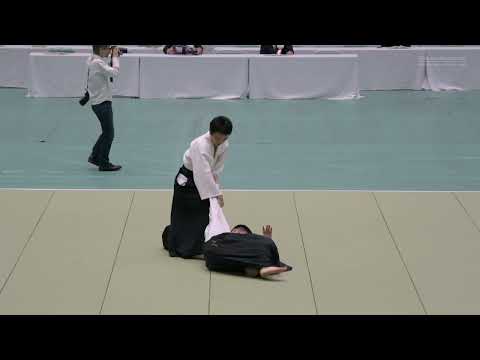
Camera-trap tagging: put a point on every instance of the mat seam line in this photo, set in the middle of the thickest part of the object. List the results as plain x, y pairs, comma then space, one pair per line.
305, 254
27, 242
400, 254
466, 211
116, 253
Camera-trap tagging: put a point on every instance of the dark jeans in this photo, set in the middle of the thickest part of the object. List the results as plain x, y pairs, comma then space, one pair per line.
101, 149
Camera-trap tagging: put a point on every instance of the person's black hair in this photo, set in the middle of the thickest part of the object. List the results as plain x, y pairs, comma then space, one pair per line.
245, 227
222, 125
96, 48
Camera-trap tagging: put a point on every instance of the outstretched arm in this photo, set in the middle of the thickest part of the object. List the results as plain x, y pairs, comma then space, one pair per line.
267, 231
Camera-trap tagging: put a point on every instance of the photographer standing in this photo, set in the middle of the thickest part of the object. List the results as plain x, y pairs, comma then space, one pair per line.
99, 92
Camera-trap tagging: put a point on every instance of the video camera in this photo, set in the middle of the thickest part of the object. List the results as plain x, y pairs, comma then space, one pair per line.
84, 99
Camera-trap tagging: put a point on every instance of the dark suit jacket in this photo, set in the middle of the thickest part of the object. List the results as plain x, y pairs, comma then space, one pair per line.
272, 49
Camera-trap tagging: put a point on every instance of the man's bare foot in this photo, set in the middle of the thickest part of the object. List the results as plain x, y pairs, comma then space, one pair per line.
272, 270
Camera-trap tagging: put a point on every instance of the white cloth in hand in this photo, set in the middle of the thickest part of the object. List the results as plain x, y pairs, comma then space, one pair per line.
218, 223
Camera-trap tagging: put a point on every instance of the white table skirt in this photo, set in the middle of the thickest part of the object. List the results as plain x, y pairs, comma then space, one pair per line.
55, 75
222, 77
378, 69
14, 65
391, 69
299, 50
304, 77
452, 68
132, 49
386, 68
206, 76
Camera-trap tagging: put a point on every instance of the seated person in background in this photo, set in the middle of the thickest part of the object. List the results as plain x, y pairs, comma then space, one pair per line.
183, 49
241, 251
274, 49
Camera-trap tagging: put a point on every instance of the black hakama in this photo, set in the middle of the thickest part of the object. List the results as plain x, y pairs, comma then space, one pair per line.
185, 236
232, 252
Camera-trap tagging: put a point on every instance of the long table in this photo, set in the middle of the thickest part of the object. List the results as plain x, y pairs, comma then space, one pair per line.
132, 49
452, 68
329, 75
14, 65
378, 69
386, 68
304, 77
55, 75
419, 67
300, 50
14, 59
206, 76
414, 68
154, 76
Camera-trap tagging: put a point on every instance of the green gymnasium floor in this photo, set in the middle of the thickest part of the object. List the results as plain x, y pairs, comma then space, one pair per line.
389, 140
412, 250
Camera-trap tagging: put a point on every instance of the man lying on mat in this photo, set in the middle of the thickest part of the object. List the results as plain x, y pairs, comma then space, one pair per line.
238, 250
241, 251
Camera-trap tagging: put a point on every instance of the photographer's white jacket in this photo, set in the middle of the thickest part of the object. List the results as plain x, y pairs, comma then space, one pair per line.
99, 84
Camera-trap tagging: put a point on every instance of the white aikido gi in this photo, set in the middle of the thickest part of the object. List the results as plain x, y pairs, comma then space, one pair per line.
206, 167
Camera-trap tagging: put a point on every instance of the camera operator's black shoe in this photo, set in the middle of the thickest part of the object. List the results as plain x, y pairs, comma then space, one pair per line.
93, 161
109, 167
